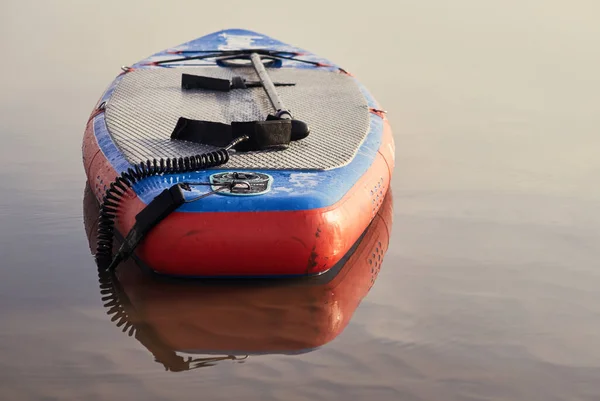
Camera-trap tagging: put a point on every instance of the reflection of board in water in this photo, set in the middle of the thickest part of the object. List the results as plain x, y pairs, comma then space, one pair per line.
228, 320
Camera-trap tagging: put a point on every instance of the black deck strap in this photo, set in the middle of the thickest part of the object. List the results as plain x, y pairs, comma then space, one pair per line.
204, 132
262, 135
189, 81
160, 207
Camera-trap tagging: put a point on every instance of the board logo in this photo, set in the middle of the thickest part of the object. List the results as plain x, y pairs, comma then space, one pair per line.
241, 183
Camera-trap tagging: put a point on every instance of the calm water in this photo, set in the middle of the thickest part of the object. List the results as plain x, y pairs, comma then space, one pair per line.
489, 289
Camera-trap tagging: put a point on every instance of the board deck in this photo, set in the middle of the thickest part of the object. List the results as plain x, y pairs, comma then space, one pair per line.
147, 103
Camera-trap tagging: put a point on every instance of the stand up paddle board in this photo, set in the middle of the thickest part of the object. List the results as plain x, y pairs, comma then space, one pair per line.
236, 155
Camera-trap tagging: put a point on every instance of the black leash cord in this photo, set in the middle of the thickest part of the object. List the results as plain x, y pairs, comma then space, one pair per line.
223, 187
149, 168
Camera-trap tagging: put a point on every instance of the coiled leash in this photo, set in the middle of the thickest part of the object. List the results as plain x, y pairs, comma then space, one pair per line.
274, 133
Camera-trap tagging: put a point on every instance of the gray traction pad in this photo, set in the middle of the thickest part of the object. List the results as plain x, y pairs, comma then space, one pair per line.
146, 103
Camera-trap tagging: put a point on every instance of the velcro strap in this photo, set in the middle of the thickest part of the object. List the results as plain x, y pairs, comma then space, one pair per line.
189, 81
205, 132
271, 134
